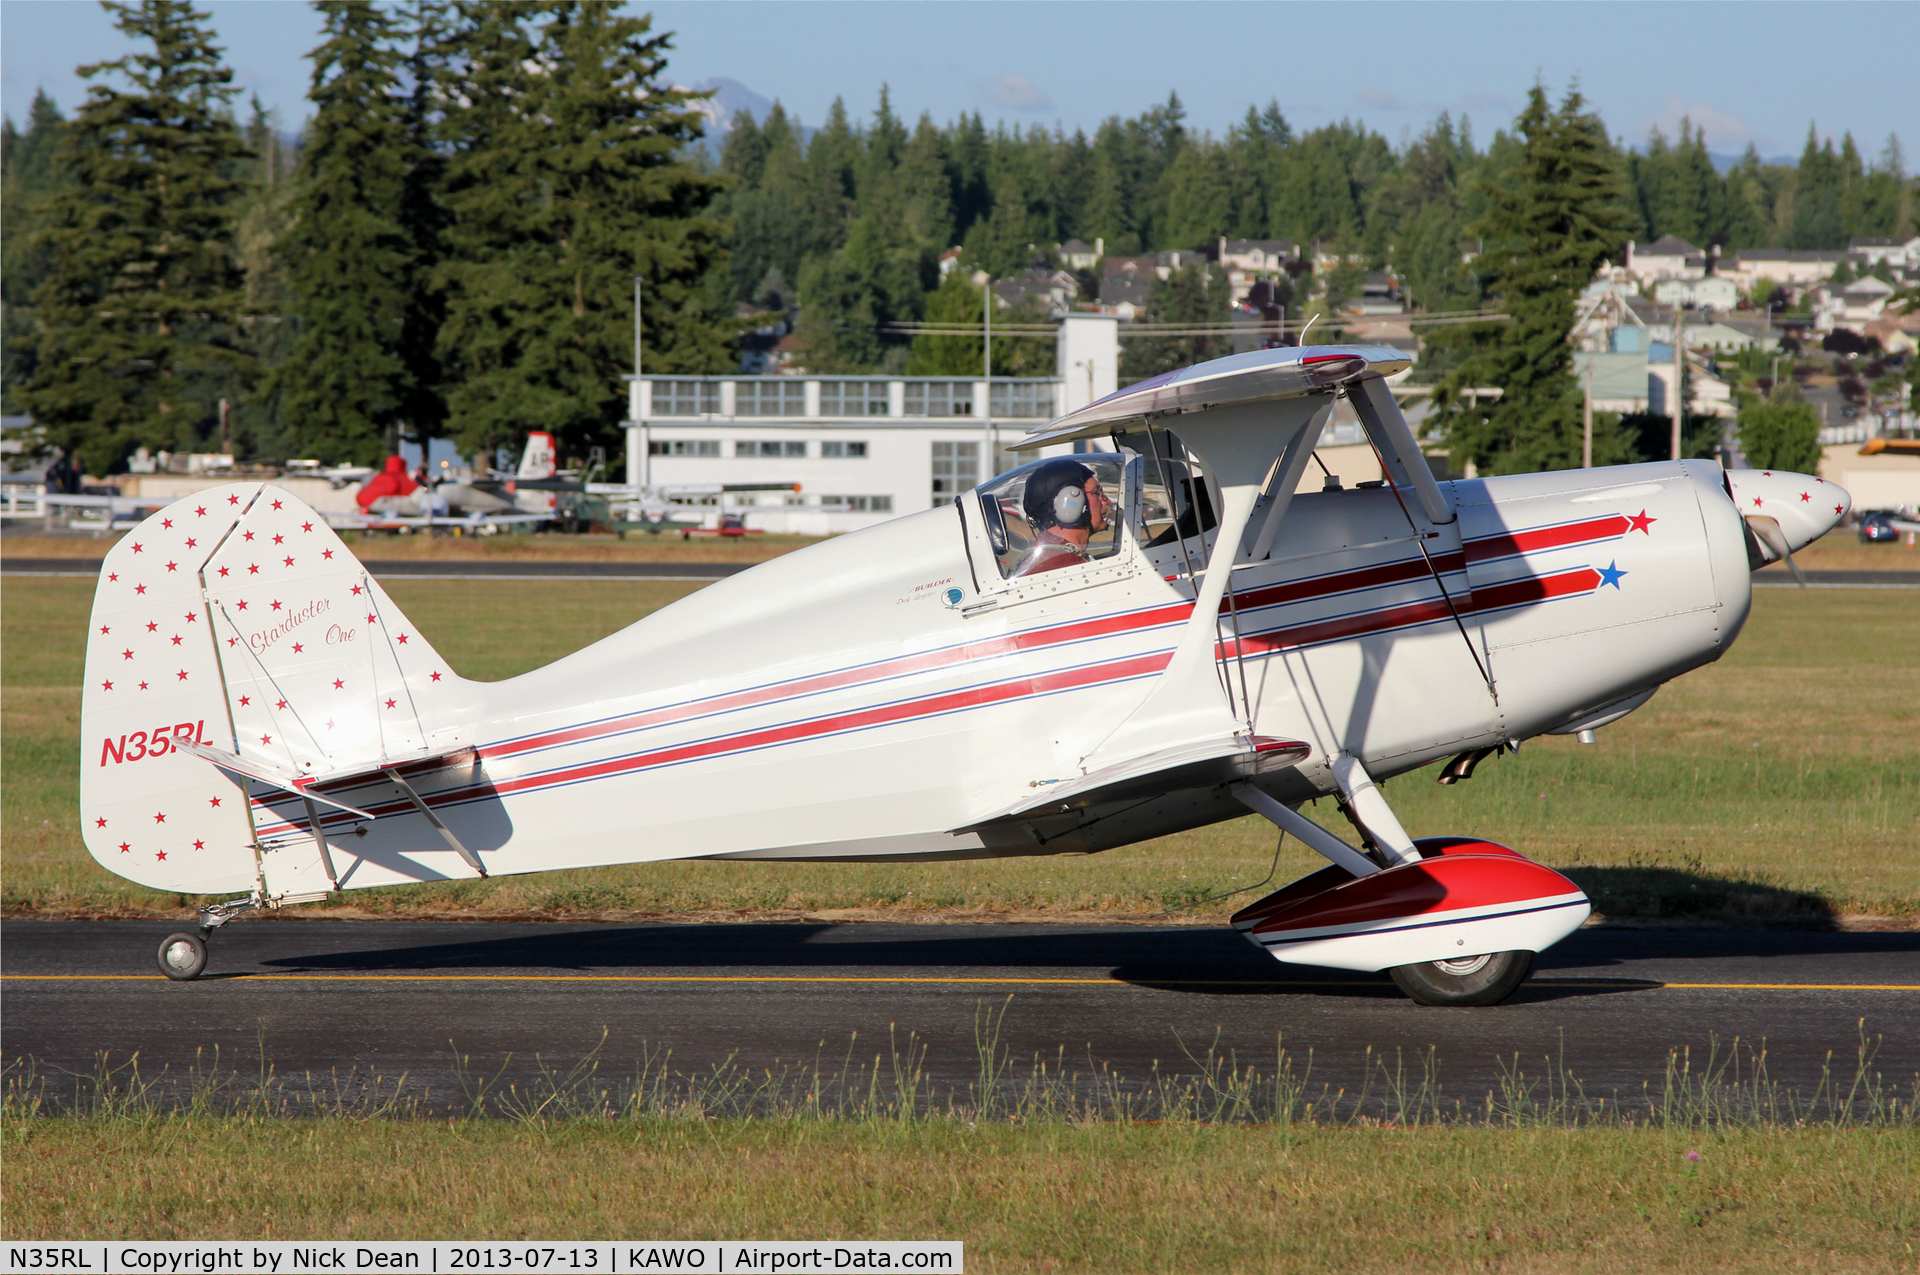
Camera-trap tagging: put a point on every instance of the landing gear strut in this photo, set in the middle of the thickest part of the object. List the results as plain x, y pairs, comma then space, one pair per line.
183, 956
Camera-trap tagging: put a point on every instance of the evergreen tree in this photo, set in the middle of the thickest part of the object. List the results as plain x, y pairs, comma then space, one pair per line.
1546, 233
351, 265
30, 175
569, 177
136, 328
1818, 185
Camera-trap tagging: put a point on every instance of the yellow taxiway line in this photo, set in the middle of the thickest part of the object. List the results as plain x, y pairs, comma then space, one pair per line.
1623, 984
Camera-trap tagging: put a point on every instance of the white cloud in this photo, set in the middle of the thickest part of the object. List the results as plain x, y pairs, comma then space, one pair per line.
1371, 96
1015, 93
1724, 132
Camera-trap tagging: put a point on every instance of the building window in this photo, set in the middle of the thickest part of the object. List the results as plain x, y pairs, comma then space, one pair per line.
956, 468
686, 398
939, 398
853, 398
859, 504
1023, 398
683, 447
836, 449
770, 396
767, 449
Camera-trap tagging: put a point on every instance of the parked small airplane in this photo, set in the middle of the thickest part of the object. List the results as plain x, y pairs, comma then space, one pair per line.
1088, 651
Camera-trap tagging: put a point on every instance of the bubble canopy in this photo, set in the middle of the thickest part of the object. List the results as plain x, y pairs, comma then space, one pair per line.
1253, 377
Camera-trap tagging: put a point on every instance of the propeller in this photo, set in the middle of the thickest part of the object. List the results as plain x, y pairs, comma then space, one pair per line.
1767, 531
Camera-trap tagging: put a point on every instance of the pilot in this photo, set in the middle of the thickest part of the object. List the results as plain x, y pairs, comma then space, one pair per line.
1065, 505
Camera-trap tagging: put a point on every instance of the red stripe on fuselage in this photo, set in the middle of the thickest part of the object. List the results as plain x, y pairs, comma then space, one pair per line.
1508, 543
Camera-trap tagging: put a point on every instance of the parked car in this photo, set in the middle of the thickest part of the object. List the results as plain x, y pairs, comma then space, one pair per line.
1877, 526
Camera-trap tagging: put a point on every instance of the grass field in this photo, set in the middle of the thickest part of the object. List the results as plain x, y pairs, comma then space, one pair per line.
1778, 785
1169, 1197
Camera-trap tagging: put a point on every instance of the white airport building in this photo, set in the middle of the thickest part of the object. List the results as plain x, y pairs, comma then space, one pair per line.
861, 448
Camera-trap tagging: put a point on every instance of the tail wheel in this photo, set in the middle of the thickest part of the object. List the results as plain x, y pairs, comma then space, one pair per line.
183, 956
1468, 980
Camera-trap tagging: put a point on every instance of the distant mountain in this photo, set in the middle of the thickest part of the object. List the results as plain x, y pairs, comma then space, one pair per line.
729, 98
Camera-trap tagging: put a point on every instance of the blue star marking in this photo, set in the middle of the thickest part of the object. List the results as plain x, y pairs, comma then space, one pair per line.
1610, 574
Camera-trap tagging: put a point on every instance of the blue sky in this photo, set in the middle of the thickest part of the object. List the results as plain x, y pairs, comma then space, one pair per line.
1756, 72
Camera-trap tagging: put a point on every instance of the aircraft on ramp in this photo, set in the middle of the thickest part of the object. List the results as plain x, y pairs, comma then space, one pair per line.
1087, 651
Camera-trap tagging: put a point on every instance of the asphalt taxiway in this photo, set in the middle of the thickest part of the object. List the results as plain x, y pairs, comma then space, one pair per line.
406, 997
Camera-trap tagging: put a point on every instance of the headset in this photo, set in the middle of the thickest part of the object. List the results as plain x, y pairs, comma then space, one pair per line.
1069, 506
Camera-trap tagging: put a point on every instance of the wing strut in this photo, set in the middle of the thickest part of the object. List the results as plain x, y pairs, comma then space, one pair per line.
320, 840
1306, 830
472, 859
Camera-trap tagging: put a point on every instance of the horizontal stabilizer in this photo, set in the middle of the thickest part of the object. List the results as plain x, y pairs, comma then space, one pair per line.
266, 773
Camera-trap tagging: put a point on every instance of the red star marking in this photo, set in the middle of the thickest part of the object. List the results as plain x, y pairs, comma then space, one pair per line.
245, 700
124, 847
288, 561
143, 686
167, 523
276, 504
266, 739
1820, 480
1806, 497
403, 639
214, 802
280, 704
389, 703
372, 619
435, 676
233, 641
326, 553
356, 590
99, 823
329, 723
159, 818
253, 568
182, 675
106, 686
275, 606
1839, 508
191, 617
200, 511
136, 548
1757, 502
139, 588
224, 570
191, 542
278, 539
242, 604
127, 654
246, 535
176, 639
160, 854
1766, 473
337, 683
233, 500
113, 575
151, 626
105, 629
199, 845
173, 566
306, 526
297, 648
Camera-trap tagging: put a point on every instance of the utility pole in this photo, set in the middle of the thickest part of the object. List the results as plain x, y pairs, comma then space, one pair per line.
986, 348
1586, 421
1679, 404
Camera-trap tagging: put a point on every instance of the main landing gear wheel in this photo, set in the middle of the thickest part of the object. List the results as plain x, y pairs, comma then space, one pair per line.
1465, 980
183, 956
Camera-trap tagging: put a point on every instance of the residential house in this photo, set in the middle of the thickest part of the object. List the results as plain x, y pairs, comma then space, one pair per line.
949, 262
1247, 261
1710, 292
1054, 290
1668, 257
1075, 255
1898, 253
1789, 266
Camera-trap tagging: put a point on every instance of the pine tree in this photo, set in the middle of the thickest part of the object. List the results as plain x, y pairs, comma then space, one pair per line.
1782, 432
136, 326
350, 263
1818, 184
1545, 233
569, 177
30, 175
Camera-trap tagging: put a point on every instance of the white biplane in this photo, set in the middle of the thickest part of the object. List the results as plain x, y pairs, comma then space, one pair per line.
1088, 651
